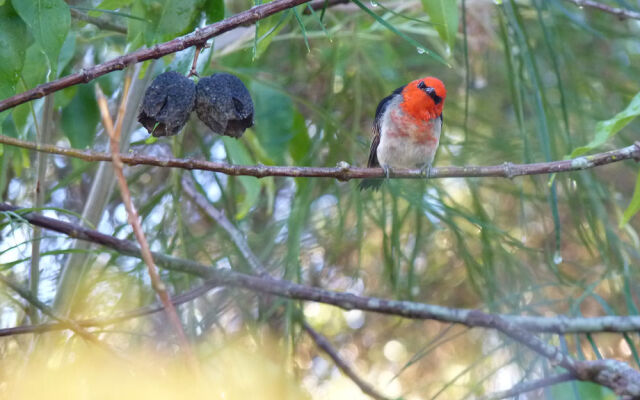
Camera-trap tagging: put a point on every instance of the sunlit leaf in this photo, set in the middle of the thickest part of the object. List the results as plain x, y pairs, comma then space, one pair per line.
608, 128
273, 119
634, 205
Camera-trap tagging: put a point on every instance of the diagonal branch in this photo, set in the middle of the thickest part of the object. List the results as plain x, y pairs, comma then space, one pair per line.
621, 13
530, 386
196, 38
408, 309
345, 172
616, 375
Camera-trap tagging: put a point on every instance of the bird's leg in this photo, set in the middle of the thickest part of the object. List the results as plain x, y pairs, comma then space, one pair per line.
426, 170
386, 170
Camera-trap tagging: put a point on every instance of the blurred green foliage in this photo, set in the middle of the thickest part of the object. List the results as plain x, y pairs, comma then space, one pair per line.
527, 81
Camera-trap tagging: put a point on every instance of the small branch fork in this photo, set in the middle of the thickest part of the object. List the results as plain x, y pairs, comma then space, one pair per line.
134, 219
621, 13
345, 172
160, 50
616, 375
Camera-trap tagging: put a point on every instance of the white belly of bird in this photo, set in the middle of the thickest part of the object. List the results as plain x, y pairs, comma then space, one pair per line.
406, 144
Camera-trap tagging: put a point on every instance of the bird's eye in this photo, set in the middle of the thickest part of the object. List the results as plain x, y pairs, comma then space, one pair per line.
431, 92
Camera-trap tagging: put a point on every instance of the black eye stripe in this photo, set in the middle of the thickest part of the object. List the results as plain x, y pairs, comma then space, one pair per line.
430, 91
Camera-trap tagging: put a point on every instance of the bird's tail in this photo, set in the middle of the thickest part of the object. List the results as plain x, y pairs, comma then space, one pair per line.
371, 183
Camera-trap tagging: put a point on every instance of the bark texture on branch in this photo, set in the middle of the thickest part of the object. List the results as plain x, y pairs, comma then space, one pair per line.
345, 172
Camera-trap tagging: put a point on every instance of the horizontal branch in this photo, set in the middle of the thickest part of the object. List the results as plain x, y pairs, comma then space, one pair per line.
621, 13
344, 172
408, 309
196, 38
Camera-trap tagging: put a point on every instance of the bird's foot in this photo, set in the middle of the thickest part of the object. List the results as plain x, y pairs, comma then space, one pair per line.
386, 170
426, 171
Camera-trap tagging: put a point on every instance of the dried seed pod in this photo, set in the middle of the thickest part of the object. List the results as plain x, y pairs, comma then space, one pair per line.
224, 104
167, 104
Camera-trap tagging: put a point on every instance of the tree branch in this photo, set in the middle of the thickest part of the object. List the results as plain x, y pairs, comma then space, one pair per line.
618, 12
345, 172
616, 375
196, 38
408, 309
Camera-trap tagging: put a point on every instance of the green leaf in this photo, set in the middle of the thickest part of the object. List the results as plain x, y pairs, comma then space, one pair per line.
238, 154
13, 46
634, 206
109, 5
80, 118
444, 17
49, 22
67, 51
608, 128
33, 73
273, 119
163, 19
214, 10
266, 30
300, 144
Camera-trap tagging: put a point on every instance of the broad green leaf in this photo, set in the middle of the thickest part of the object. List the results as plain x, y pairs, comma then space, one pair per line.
238, 154
273, 120
67, 51
608, 128
163, 19
214, 10
444, 17
13, 46
34, 72
634, 206
109, 5
80, 118
49, 22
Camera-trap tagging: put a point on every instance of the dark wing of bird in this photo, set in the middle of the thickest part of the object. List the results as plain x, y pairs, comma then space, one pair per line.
377, 125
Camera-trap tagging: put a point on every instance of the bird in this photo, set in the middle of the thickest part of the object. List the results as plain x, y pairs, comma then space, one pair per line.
406, 129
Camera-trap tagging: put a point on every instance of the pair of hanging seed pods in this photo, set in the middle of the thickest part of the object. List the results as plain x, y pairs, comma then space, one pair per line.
221, 101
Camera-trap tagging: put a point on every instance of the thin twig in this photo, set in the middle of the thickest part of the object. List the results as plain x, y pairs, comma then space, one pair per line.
621, 13
101, 23
65, 322
196, 38
326, 346
125, 316
530, 386
194, 65
345, 172
408, 309
238, 239
134, 219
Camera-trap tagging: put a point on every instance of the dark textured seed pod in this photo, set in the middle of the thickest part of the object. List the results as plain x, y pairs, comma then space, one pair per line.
167, 104
224, 104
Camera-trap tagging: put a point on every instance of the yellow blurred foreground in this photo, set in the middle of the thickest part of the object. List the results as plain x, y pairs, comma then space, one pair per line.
238, 371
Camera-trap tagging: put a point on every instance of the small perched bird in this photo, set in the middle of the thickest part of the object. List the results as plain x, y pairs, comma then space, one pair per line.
406, 129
